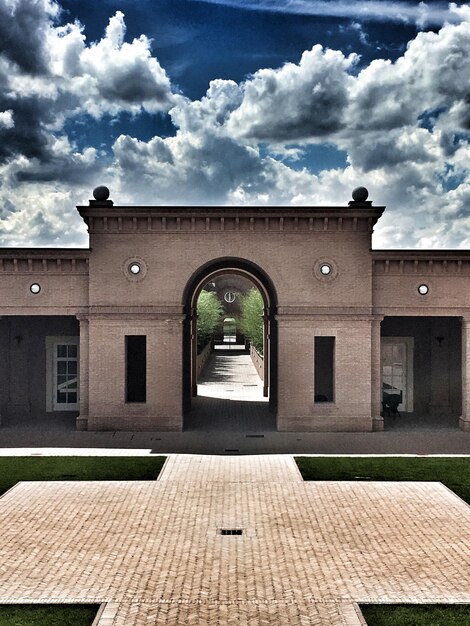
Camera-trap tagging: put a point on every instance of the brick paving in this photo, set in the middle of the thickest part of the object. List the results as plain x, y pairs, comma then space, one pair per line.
243, 469
309, 551
245, 614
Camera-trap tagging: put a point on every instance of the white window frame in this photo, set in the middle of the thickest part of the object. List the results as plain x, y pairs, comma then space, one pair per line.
51, 373
407, 407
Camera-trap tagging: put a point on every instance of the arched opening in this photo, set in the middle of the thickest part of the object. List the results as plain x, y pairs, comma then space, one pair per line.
229, 337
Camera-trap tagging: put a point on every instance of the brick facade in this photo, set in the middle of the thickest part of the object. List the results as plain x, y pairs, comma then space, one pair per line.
282, 249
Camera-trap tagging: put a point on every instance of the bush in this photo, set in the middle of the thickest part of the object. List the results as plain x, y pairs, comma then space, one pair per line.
251, 319
209, 314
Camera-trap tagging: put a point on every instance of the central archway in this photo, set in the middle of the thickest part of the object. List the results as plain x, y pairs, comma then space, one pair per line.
259, 278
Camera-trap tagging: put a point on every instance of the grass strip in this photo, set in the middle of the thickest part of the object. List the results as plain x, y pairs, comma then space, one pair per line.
454, 472
416, 614
18, 468
47, 614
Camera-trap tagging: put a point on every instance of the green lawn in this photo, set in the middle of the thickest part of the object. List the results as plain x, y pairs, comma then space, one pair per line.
14, 468
453, 472
416, 615
47, 615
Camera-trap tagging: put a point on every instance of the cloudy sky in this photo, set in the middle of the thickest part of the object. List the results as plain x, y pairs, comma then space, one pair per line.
260, 102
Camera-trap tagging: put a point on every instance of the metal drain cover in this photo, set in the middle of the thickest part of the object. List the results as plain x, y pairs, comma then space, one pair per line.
230, 531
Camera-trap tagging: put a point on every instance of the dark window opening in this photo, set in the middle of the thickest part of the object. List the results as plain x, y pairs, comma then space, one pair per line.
324, 368
136, 368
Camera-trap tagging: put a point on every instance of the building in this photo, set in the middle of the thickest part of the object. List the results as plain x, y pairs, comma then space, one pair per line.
107, 334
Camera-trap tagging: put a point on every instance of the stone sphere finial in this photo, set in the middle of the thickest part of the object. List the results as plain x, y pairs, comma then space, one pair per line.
101, 193
360, 194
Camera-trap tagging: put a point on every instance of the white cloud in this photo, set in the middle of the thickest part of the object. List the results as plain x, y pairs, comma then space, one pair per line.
112, 75
218, 155
66, 77
6, 119
297, 101
188, 168
58, 76
374, 116
41, 215
321, 98
433, 72
461, 11
401, 147
212, 111
421, 13
23, 26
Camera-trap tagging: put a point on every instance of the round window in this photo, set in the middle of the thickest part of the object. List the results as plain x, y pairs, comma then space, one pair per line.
325, 270
229, 296
423, 289
35, 288
134, 268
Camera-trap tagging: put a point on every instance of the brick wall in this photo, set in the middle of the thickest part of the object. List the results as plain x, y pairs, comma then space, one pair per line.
202, 358
288, 245
258, 361
108, 409
351, 409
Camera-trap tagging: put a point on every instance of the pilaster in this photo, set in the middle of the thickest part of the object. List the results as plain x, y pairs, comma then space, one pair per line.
376, 374
464, 421
351, 407
82, 419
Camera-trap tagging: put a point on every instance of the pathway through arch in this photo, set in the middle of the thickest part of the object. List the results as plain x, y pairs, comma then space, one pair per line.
230, 395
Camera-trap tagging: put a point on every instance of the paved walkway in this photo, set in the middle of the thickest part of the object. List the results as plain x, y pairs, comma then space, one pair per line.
47, 441
152, 552
51, 441
230, 396
231, 375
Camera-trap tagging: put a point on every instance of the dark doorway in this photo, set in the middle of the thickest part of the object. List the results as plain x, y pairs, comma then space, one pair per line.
421, 367
39, 371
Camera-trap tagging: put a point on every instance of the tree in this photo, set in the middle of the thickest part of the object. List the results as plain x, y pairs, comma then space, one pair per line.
209, 314
251, 319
